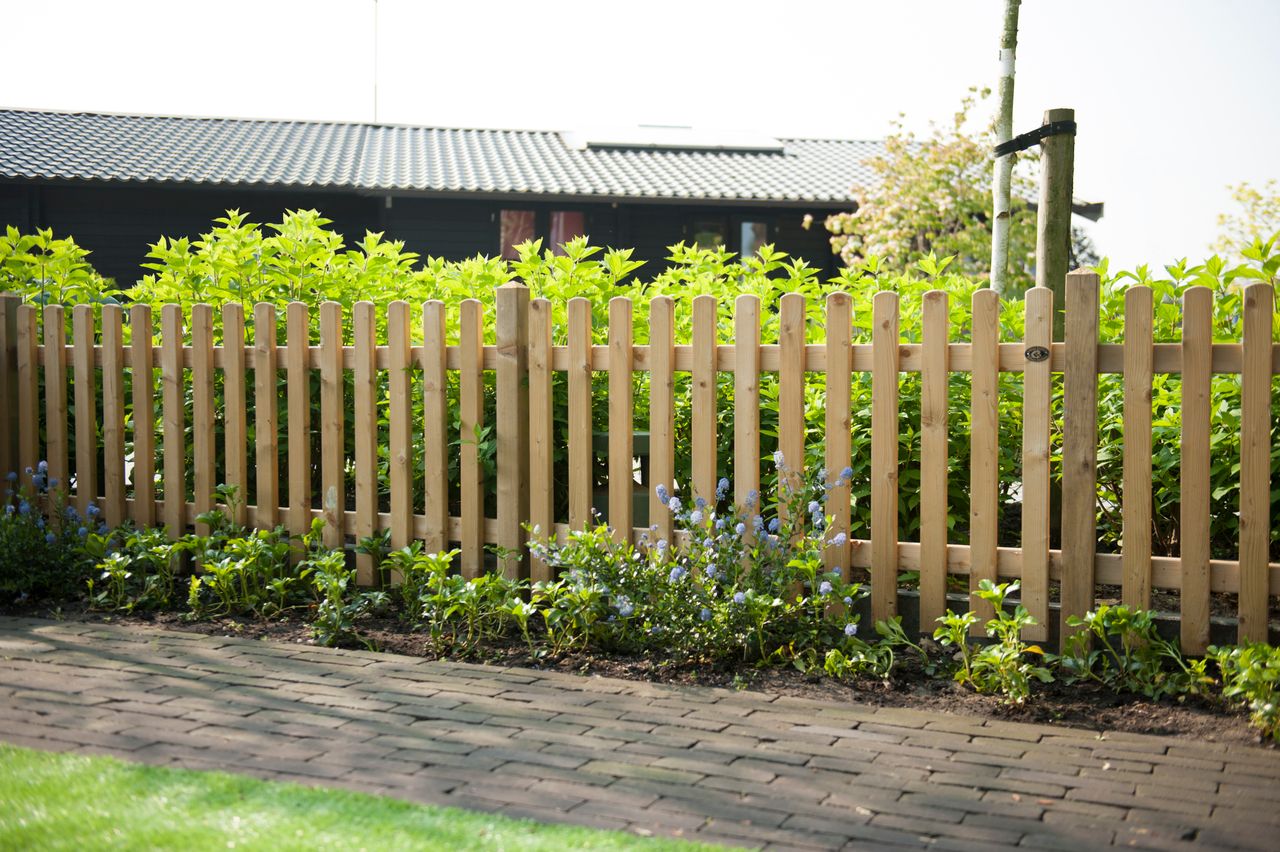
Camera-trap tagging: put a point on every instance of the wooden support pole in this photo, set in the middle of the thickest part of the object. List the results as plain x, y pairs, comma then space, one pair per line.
513, 426
1053, 224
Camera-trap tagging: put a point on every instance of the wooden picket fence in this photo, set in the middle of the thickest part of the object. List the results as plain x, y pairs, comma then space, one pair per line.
524, 360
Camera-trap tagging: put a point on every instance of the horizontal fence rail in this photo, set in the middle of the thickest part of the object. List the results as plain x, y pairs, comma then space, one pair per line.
328, 423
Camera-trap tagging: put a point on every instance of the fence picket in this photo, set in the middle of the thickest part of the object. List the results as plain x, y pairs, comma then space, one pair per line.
791, 382
365, 432
1079, 447
984, 458
1036, 400
541, 455
298, 399
266, 416
1255, 462
174, 495
204, 456
471, 420
1197, 338
746, 403
1136, 494
704, 445
662, 412
581, 463
86, 407
621, 445
399, 437
512, 335
9, 303
934, 384
884, 456
332, 416
234, 417
113, 414
28, 366
839, 425
435, 429
144, 425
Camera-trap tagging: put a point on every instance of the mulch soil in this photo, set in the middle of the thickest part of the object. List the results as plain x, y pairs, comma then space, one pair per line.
1086, 706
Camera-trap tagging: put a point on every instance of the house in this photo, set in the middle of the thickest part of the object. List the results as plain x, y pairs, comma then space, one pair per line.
118, 182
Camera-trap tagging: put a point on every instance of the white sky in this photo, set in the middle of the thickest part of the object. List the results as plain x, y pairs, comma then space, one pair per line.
1175, 98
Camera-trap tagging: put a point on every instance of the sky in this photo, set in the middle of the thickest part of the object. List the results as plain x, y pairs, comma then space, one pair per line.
1175, 99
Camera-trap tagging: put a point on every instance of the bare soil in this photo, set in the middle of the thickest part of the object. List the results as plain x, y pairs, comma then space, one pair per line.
1084, 706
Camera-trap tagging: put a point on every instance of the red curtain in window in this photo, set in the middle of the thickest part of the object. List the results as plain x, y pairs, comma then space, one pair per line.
516, 227
565, 225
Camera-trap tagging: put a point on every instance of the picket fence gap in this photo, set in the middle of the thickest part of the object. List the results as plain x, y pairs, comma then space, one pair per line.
524, 360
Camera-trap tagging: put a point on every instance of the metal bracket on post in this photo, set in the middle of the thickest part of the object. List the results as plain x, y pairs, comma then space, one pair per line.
1035, 137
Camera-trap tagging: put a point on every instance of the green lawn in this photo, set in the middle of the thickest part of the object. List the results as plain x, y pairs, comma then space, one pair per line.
62, 801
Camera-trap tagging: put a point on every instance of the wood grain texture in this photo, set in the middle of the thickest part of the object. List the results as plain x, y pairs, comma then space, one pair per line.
365, 433
28, 367
471, 422
143, 507
9, 303
113, 455
839, 426
1079, 448
1036, 400
298, 399
791, 383
174, 496
333, 457
512, 324
703, 439
984, 455
884, 456
435, 427
1255, 462
1136, 492
86, 407
662, 411
541, 450
746, 404
203, 452
400, 434
934, 387
266, 414
1197, 336
235, 418
621, 410
581, 458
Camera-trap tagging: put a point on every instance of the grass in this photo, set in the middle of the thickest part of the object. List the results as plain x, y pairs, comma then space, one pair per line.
65, 801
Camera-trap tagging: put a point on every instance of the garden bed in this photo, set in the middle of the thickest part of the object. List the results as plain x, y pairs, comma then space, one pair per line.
1085, 706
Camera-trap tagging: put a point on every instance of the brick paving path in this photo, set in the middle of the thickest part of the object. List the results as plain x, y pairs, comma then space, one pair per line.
739, 768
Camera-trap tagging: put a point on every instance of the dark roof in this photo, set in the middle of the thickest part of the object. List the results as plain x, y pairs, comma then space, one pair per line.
37, 145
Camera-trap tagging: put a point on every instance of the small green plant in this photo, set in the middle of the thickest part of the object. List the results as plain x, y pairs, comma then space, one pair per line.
43, 539
1251, 676
1000, 667
340, 604
1120, 649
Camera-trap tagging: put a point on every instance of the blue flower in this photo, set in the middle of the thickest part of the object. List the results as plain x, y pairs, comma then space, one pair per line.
711, 572
851, 629
28, 471
624, 606
24, 508
700, 502
82, 532
662, 545
8, 510
846, 474
722, 487
71, 513
705, 615
825, 588
777, 460
814, 507
103, 529
12, 476
838, 540
739, 597
92, 511
822, 474
720, 524
752, 497
50, 538
758, 523
773, 525
695, 517
848, 601
53, 482
677, 574
664, 496
43, 467
675, 504
740, 529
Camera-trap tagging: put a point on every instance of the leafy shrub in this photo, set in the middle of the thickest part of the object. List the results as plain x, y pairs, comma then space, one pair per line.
1002, 666
340, 602
1120, 649
1251, 676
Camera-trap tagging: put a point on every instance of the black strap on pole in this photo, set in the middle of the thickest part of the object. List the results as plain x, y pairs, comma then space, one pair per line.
1034, 137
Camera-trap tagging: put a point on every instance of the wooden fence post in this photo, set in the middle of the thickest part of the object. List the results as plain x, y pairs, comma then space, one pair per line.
1079, 448
1255, 462
513, 426
884, 456
9, 461
1195, 474
1053, 222
541, 424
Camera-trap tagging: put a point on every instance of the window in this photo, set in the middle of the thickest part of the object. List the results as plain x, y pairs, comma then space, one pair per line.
753, 235
566, 225
517, 227
709, 233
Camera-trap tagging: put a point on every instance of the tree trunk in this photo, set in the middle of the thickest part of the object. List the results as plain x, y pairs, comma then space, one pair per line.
1000, 185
